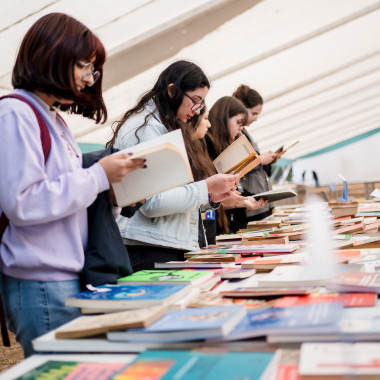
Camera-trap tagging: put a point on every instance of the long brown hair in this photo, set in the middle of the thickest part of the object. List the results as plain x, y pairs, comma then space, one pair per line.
46, 59
185, 76
199, 158
220, 113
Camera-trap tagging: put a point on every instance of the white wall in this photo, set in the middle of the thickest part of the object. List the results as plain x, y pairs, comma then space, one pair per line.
357, 162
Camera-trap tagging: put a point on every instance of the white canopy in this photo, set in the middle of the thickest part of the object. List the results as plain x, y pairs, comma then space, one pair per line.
316, 63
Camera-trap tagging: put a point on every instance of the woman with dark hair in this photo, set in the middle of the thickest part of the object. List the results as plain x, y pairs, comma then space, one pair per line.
166, 226
44, 192
256, 181
228, 116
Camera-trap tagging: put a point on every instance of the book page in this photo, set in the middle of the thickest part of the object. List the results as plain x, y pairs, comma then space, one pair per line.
167, 167
235, 155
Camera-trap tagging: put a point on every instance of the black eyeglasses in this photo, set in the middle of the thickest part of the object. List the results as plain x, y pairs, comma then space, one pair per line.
197, 105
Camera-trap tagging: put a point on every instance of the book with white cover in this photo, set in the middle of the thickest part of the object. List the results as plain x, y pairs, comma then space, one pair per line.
264, 248
293, 275
167, 167
339, 361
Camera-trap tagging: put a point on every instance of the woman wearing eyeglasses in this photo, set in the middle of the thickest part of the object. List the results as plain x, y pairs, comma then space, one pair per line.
44, 192
166, 226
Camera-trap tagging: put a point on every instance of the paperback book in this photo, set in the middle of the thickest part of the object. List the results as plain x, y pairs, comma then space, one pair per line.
186, 325
339, 361
118, 297
99, 324
197, 365
298, 318
163, 276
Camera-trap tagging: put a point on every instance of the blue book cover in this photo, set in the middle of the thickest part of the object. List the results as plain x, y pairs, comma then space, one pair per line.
296, 318
192, 365
187, 324
124, 296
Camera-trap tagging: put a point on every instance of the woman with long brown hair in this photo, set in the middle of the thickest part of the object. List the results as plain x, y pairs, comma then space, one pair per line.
166, 226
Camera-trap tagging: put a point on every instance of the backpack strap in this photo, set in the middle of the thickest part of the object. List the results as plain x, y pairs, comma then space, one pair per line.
4, 221
45, 141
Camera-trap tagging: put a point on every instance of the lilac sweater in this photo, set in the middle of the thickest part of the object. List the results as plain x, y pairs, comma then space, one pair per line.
45, 203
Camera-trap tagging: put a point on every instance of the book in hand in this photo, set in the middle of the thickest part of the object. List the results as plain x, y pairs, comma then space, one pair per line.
280, 151
339, 360
185, 325
119, 297
275, 195
197, 365
239, 157
99, 324
167, 167
162, 276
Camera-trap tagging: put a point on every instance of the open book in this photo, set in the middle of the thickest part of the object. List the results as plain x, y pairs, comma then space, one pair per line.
167, 167
275, 195
280, 151
240, 157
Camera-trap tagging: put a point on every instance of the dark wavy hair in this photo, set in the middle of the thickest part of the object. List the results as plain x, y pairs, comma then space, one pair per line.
249, 97
46, 59
185, 76
222, 110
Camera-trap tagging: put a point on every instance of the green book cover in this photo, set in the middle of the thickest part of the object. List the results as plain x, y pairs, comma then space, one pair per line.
159, 276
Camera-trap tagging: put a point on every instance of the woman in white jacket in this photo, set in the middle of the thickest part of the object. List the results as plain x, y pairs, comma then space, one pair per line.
166, 226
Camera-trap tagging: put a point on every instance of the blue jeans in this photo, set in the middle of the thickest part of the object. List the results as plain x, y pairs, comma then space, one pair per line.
33, 308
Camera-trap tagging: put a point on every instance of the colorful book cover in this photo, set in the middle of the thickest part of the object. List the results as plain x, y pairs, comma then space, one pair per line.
127, 296
58, 370
187, 324
297, 318
157, 276
347, 299
193, 365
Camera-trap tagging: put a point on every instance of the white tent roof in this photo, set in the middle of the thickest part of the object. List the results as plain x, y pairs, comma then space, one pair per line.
316, 63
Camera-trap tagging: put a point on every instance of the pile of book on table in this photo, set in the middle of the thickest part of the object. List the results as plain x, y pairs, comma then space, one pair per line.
259, 285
